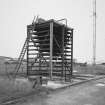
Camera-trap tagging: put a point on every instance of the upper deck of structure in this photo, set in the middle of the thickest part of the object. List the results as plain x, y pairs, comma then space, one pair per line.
46, 24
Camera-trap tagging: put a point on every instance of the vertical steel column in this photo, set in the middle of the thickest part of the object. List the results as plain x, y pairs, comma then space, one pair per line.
51, 49
94, 32
65, 56
63, 50
71, 52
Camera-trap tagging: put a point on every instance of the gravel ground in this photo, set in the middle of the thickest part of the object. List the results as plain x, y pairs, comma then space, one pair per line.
91, 93
17, 88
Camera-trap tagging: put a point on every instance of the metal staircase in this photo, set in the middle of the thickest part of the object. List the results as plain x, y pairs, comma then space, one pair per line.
23, 51
21, 58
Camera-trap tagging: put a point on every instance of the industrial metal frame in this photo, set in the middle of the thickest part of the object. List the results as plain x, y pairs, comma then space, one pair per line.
50, 50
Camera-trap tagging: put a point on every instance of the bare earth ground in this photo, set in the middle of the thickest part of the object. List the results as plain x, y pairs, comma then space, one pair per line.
92, 93
87, 94
17, 88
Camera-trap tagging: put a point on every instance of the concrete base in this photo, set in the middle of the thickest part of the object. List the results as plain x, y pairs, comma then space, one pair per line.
54, 85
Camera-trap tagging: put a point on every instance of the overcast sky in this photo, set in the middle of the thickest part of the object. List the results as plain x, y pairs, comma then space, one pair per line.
16, 14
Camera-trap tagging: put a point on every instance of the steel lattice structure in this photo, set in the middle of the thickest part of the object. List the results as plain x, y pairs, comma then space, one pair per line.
50, 49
